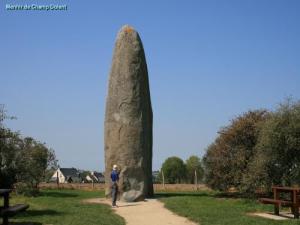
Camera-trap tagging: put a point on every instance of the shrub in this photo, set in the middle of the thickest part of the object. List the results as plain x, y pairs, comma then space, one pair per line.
226, 160
277, 158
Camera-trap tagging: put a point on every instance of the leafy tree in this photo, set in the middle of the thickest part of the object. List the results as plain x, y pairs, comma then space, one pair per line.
9, 152
4, 116
193, 165
9, 158
226, 160
174, 170
37, 158
277, 159
22, 160
52, 164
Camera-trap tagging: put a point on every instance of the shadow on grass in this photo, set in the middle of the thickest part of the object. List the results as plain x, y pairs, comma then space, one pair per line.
235, 195
43, 212
238, 195
183, 194
57, 194
24, 223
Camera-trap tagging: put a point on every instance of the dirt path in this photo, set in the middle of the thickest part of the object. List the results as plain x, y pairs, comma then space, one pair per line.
150, 212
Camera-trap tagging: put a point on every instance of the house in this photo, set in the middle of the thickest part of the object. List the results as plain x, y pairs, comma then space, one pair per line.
95, 177
66, 175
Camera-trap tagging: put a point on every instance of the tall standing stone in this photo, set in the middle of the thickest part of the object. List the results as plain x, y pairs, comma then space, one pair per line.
128, 119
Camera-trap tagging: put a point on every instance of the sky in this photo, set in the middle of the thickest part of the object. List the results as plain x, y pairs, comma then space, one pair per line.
208, 61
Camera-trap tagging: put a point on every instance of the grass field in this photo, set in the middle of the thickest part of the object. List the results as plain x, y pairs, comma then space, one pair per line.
208, 208
65, 207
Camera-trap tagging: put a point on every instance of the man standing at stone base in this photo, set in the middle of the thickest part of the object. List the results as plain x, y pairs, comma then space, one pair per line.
114, 187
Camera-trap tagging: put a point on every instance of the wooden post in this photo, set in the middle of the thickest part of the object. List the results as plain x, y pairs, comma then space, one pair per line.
57, 179
163, 177
276, 209
276, 197
295, 207
6, 200
92, 184
296, 212
196, 180
6, 205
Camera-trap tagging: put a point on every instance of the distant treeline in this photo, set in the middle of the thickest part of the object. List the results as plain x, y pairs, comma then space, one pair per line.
175, 171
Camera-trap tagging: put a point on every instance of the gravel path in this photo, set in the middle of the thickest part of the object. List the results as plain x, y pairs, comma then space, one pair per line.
149, 212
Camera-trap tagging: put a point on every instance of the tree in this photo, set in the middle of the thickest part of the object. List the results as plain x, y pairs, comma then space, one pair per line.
174, 170
193, 165
277, 159
22, 160
9, 152
226, 160
52, 164
37, 158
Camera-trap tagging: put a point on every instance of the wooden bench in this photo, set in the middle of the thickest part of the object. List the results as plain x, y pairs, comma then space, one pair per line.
277, 203
294, 201
6, 210
5, 213
11, 211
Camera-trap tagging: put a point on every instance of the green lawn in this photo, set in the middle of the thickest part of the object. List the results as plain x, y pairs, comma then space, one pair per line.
65, 207
212, 209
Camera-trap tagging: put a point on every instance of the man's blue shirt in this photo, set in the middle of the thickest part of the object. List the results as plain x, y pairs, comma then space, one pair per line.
114, 176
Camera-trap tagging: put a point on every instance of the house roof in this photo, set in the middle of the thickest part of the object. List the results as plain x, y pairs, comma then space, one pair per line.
98, 175
69, 172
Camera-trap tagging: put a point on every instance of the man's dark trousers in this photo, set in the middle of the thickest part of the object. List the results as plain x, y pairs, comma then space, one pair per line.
114, 193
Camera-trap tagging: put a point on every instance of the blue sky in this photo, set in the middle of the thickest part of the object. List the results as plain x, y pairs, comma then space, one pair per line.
208, 61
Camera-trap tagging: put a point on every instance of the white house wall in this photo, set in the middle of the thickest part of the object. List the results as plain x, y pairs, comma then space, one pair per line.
61, 177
